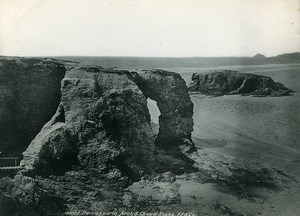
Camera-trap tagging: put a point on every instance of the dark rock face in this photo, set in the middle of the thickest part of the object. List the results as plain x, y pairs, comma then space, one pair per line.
29, 96
232, 82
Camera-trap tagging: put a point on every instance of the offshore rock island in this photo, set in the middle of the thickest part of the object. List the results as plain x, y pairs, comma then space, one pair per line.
227, 82
87, 144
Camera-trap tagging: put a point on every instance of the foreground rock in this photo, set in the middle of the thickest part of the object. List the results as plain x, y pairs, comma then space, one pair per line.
222, 186
228, 82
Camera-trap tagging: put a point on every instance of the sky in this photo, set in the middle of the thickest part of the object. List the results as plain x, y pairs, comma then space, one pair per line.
149, 28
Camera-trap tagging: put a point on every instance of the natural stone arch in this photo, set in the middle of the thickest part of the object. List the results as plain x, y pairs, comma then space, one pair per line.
169, 90
102, 121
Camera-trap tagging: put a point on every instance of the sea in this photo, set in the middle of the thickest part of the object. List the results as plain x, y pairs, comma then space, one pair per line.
263, 130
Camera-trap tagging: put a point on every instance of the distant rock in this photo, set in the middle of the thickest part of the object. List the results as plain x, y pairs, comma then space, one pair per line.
259, 56
227, 82
286, 58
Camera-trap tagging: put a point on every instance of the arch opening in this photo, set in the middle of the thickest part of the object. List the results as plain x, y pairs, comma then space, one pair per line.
154, 115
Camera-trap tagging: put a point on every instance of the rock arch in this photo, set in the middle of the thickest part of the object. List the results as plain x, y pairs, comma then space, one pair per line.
169, 90
102, 120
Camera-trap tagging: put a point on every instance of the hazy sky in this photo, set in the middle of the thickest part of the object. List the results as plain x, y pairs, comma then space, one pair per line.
149, 27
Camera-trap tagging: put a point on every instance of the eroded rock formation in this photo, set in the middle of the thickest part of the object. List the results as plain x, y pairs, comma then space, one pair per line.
228, 82
102, 121
173, 142
101, 129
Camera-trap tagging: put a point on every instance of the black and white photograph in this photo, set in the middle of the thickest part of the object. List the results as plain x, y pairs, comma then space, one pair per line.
149, 107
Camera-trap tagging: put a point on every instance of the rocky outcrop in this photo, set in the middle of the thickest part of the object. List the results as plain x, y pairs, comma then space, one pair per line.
101, 130
228, 82
102, 121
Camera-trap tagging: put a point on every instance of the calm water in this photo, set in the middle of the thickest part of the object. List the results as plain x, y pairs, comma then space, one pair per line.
263, 129
271, 120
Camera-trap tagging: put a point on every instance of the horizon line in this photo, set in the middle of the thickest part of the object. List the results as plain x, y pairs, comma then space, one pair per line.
129, 56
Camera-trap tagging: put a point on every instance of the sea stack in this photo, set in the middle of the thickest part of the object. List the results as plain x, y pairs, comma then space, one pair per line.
227, 82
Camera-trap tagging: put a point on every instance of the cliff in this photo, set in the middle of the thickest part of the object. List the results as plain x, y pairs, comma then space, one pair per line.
29, 96
228, 82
